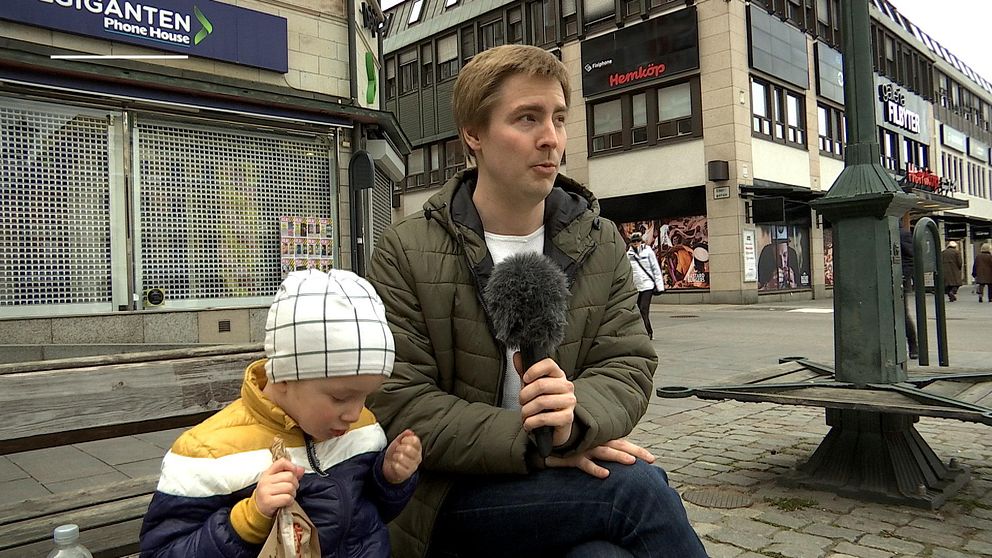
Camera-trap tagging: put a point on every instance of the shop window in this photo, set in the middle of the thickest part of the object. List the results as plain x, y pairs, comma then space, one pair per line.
391, 78
427, 65
490, 35
454, 159
645, 117
916, 153
515, 26
434, 162
607, 126
675, 111
778, 113
569, 20
542, 19
830, 128
415, 176
594, 11
415, 10
447, 57
408, 71
468, 44
889, 144
639, 130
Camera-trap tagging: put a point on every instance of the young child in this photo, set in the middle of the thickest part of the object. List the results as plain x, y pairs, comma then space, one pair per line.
328, 346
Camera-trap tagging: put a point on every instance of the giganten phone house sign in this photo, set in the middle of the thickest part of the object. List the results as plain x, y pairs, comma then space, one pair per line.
202, 28
639, 53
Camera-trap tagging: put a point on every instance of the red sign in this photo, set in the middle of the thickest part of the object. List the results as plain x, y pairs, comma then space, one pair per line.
642, 72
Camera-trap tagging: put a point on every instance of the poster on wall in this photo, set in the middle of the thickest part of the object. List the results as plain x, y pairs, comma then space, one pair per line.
682, 247
783, 257
750, 256
305, 243
828, 257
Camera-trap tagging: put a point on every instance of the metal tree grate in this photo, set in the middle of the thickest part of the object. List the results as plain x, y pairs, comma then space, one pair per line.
210, 203
717, 498
55, 193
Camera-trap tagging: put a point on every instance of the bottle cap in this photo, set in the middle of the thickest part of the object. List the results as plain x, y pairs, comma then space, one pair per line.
66, 533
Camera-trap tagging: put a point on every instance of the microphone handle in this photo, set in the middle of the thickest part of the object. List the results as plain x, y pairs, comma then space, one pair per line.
542, 434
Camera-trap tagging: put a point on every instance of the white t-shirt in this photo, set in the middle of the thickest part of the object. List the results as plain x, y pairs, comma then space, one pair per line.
502, 246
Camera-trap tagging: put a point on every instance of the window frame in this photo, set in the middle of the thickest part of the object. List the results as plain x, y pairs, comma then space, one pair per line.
776, 118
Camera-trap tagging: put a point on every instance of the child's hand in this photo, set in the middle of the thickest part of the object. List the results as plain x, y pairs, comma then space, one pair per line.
402, 458
277, 486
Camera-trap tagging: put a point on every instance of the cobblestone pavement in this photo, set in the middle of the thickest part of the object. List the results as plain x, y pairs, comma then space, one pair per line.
739, 449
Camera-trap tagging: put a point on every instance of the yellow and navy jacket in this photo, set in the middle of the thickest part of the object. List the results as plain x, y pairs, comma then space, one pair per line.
202, 506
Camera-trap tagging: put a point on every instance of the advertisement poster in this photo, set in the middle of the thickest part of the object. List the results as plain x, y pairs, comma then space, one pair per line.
828, 257
682, 247
305, 243
783, 257
750, 256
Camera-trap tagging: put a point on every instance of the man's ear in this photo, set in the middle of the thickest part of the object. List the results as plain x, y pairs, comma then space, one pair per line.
471, 139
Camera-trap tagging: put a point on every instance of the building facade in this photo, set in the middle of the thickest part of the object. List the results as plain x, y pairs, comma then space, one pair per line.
710, 125
166, 163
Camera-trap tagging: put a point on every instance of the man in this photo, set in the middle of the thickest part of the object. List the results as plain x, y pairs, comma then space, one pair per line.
950, 261
908, 257
647, 277
485, 491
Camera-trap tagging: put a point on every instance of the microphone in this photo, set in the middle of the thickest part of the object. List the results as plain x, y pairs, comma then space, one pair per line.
527, 297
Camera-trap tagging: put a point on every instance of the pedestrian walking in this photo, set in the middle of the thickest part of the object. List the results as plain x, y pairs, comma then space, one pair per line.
908, 257
981, 270
950, 261
647, 277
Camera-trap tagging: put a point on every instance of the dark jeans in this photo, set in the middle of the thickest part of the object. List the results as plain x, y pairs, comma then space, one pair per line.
644, 305
566, 512
907, 289
984, 287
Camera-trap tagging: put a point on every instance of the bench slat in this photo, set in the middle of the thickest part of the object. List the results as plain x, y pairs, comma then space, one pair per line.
110, 541
68, 501
41, 528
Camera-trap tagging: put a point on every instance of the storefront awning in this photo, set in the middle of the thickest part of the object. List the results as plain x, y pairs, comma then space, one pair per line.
927, 201
29, 65
788, 191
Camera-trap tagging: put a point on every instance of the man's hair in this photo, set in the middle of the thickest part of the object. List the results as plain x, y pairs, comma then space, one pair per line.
477, 88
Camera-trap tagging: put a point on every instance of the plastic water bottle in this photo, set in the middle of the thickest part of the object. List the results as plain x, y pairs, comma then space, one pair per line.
67, 543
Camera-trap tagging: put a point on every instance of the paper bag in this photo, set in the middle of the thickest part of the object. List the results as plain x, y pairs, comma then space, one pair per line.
293, 535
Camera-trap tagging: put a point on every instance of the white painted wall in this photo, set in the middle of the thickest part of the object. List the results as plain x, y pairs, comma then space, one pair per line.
776, 162
648, 170
830, 169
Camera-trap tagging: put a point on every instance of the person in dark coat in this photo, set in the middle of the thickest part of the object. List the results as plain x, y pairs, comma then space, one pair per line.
982, 271
906, 247
950, 261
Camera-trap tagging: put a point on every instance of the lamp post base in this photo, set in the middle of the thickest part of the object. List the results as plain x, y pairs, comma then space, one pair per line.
879, 457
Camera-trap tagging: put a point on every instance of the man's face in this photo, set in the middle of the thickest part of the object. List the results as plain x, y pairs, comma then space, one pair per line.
325, 408
519, 152
783, 255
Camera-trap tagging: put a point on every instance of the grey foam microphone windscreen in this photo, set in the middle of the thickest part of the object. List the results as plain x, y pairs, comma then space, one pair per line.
527, 296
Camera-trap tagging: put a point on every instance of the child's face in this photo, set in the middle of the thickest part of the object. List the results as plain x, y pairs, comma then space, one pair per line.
324, 408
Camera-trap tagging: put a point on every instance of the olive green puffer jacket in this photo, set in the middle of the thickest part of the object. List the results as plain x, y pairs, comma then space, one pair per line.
430, 269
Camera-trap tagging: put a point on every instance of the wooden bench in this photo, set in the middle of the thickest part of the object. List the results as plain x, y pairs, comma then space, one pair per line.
54, 403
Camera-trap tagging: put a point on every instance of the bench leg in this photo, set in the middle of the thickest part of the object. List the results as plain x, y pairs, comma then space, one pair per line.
882, 458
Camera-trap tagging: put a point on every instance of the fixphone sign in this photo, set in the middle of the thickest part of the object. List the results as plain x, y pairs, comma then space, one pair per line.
196, 27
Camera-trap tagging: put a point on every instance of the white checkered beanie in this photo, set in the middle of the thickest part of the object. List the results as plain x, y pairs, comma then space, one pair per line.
325, 325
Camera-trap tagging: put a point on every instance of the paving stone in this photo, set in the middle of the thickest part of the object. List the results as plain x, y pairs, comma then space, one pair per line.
718, 550
110, 477
979, 547
163, 439
783, 519
929, 536
864, 524
833, 532
861, 551
792, 551
59, 464
21, 489
891, 544
144, 468
736, 479
10, 471
938, 552
743, 539
118, 451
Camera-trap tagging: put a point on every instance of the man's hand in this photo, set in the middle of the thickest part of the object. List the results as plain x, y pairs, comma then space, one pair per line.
402, 458
617, 451
547, 398
277, 486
